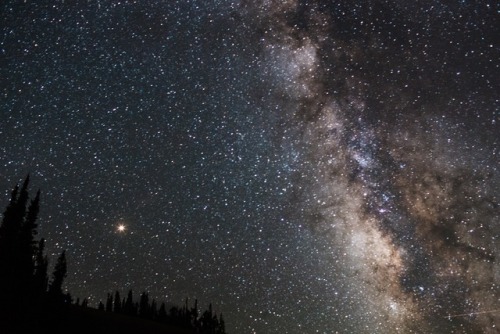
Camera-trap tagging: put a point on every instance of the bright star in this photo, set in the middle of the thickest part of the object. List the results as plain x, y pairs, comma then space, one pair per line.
121, 228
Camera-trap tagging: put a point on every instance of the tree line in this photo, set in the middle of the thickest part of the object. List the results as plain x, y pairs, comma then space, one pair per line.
25, 288
206, 322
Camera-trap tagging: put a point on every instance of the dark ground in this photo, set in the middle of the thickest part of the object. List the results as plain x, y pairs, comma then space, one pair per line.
78, 320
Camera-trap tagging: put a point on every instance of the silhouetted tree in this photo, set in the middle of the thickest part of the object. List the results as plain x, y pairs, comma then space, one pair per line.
185, 317
40, 279
136, 308
27, 247
210, 324
101, 306
153, 310
128, 307
13, 217
118, 303
109, 302
186, 314
176, 317
58, 276
85, 303
16, 263
162, 313
221, 328
195, 314
67, 299
205, 322
144, 309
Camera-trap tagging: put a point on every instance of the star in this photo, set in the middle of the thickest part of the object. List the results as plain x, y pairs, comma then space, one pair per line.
121, 228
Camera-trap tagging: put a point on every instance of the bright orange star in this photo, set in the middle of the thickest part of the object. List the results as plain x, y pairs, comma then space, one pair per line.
121, 228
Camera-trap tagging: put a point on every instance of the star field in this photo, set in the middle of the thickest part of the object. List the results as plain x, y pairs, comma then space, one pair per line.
306, 166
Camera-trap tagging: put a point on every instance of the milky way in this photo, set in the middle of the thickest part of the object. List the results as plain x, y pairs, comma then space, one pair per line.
306, 166
412, 211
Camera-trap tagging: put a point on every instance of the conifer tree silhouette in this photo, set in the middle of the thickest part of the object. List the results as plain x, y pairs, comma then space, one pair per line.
162, 313
58, 276
144, 305
128, 307
185, 317
153, 310
40, 279
27, 245
18, 249
221, 329
207, 321
195, 314
109, 303
117, 303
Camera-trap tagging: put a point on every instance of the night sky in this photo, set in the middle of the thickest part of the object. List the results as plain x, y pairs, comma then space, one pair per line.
306, 166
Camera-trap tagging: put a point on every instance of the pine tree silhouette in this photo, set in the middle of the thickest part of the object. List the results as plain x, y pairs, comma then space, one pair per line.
207, 321
109, 303
27, 244
153, 310
58, 276
144, 305
128, 307
162, 313
221, 328
40, 279
117, 303
195, 314
184, 317
24, 290
18, 249
9, 234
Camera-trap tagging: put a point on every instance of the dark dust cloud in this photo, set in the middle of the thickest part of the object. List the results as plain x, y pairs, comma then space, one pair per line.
306, 166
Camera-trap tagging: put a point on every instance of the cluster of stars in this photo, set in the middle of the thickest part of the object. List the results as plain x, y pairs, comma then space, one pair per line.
306, 166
